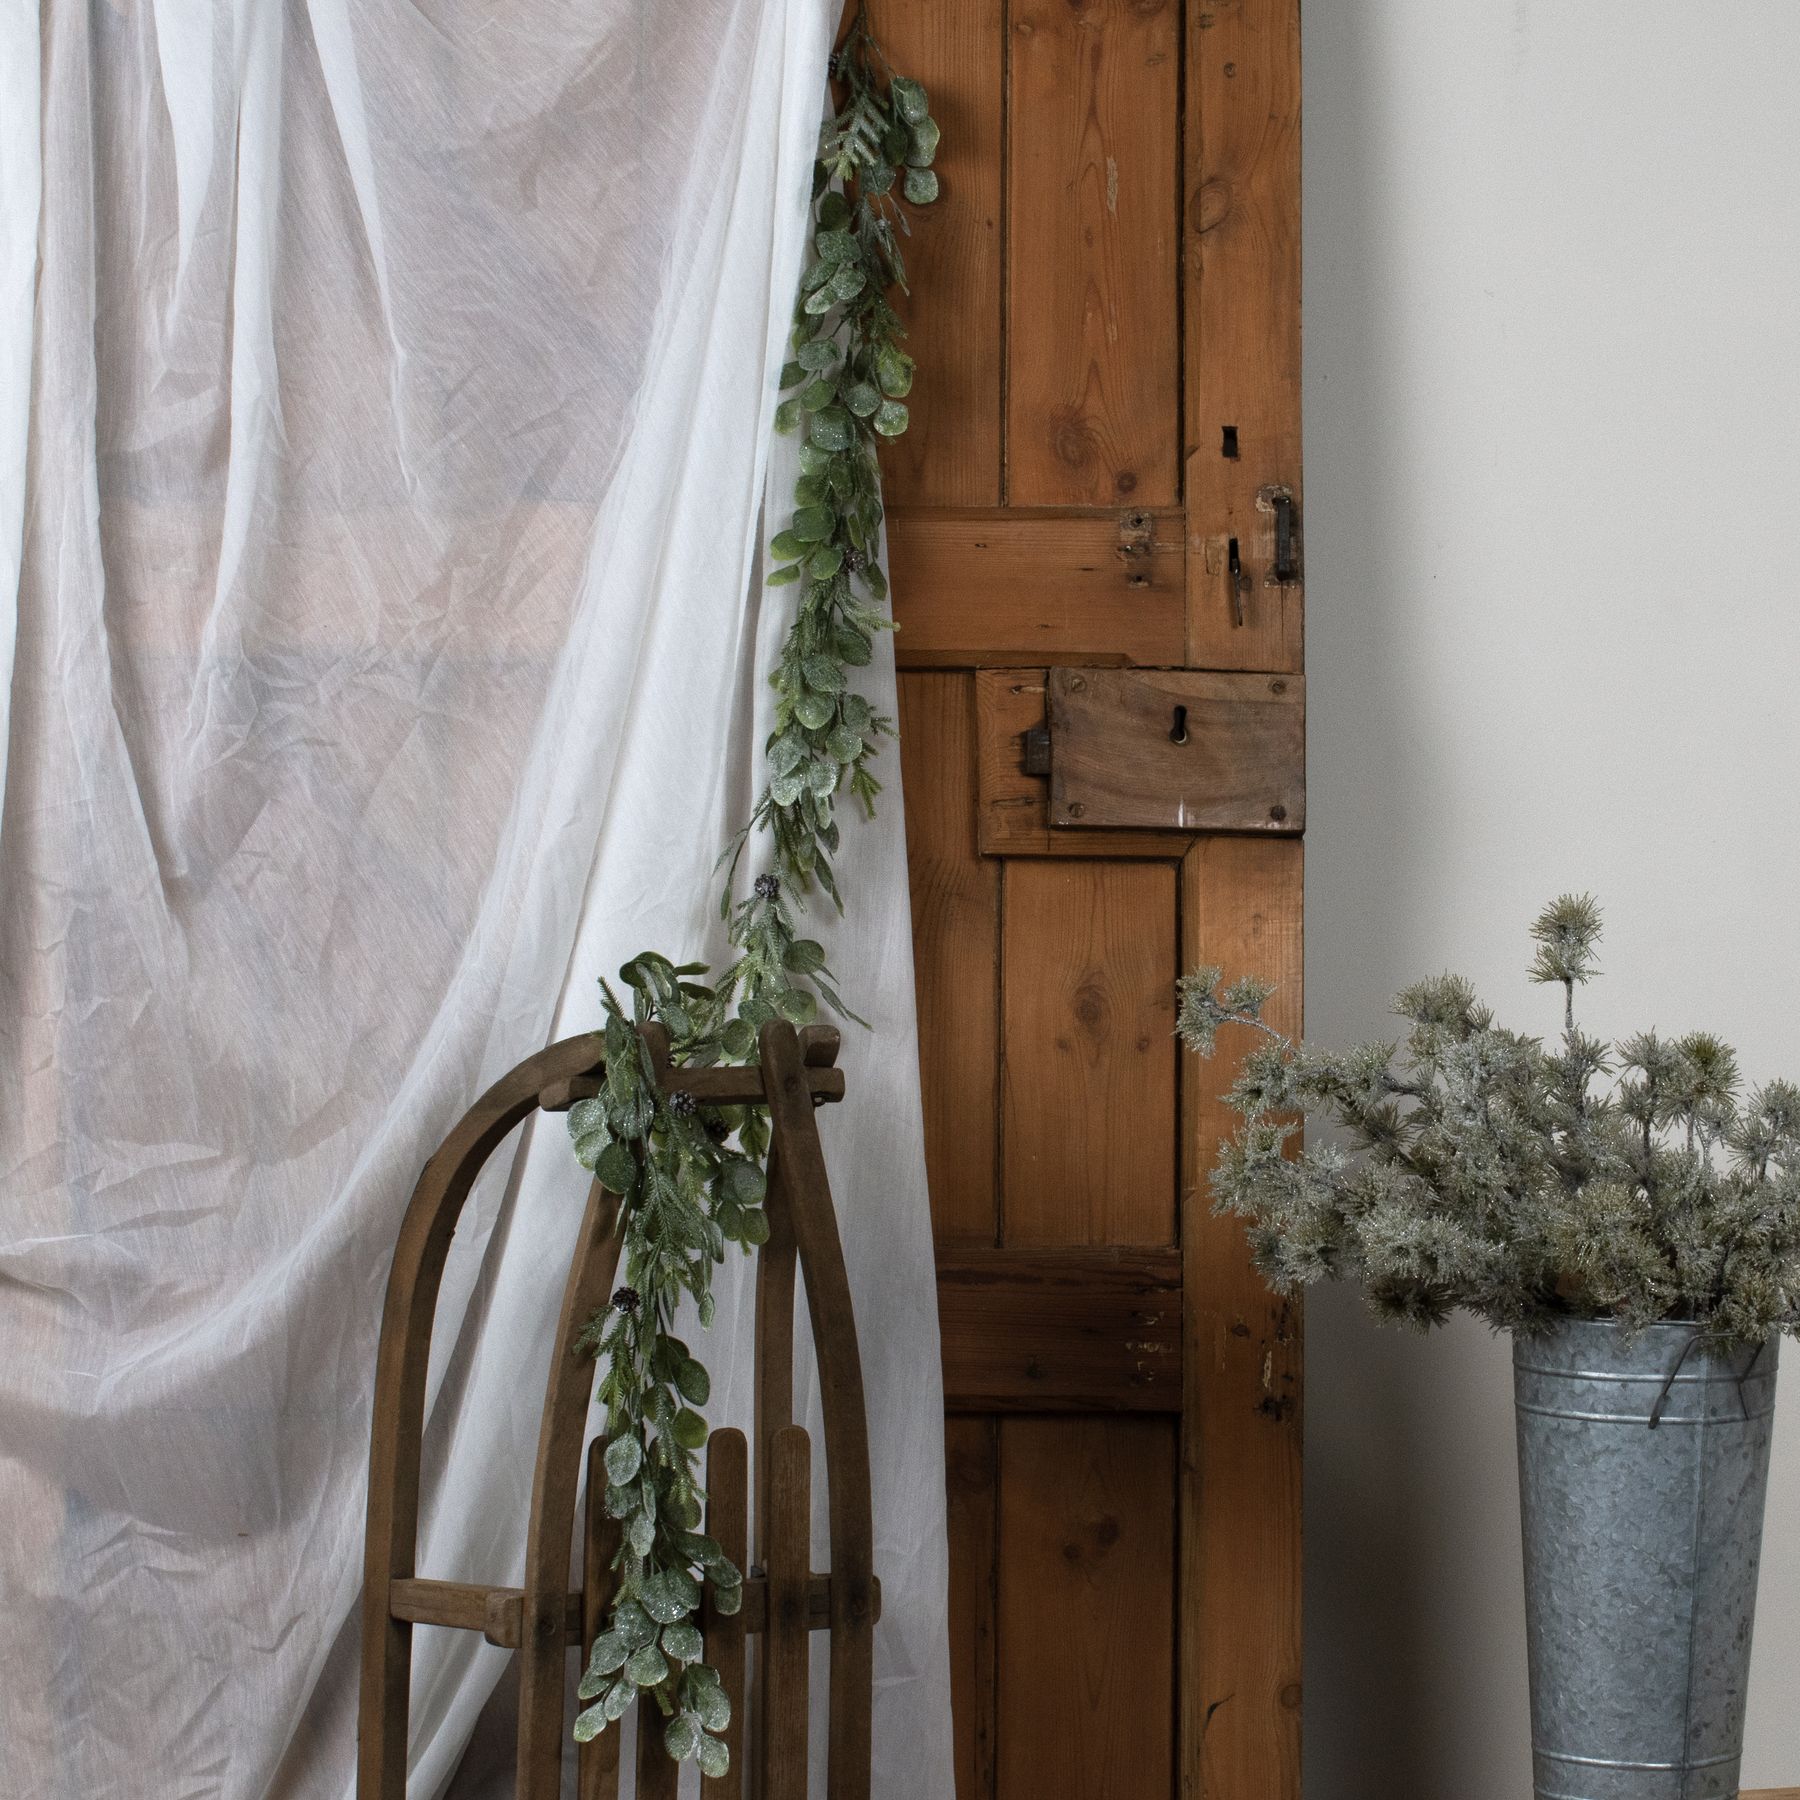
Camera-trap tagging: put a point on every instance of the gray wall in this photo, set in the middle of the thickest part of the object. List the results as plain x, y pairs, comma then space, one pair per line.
1553, 478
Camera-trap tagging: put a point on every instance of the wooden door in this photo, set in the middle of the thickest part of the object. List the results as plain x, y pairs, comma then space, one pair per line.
1103, 471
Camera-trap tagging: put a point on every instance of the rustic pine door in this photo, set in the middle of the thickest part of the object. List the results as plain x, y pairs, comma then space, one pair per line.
1101, 482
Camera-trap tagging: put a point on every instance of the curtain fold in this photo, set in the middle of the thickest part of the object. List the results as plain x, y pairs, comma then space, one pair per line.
384, 410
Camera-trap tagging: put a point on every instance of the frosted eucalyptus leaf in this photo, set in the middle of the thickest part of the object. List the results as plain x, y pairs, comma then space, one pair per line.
640, 1533
894, 370
833, 211
819, 394
792, 374
606, 1658
714, 1755
878, 178
690, 1429
787, 415
681, 1736
813, 524
924, 144
824, 563
682, 1642
693, 1382
890, 418
728, 1597
590, 1723
822, 675
619, 1697
671, 1594
821, 301
831, 429
798, 1007
634, 1625
862, 398
921, 188
617, 1169
819, 356
624, 1457
783, 577
848, 282
844, 744
647, 1666
910, 99
813, 711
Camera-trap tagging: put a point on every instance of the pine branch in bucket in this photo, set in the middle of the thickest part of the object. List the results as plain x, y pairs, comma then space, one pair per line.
1529, 1183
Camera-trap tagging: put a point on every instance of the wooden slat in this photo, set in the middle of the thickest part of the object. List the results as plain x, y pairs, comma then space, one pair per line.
1089, 1000
975, 589
1061, 1330
950, 453
972, 1474
1239, 764
783, 1662
956, 946
1240, 1470
1087, 1519
658, 1773
728, 1525
1013, 808
1093, 344
597, 1761
1243, 323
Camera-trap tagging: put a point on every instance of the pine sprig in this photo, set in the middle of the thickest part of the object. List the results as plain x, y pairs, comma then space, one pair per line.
691, 1179
1524, 1183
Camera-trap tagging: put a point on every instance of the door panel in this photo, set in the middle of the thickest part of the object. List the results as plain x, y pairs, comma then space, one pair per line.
1103, 470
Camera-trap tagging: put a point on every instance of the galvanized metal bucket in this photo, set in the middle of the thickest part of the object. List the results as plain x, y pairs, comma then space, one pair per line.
1641, 1550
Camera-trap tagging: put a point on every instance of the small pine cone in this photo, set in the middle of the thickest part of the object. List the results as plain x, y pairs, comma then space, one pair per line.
716, 1128
767, 886
683, 1104
856, 561
627, 1299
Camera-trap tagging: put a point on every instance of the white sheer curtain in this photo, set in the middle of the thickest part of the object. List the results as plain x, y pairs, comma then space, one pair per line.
384, 400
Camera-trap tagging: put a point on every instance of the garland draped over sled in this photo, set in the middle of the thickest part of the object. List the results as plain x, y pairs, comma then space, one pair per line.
690, 1177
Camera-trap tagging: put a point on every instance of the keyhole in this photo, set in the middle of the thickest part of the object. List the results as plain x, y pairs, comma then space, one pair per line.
1178, 731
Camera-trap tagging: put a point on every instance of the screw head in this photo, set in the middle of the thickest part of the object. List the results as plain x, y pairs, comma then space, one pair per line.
1277, 813
1076, 809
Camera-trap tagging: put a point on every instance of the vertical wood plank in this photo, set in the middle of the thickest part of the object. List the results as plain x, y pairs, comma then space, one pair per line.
971, 1461
950, 454
728, 1525
784, 1653
597, 1761
1242, 279
1087, 1514
1241, 1436
1093, 191
956, 928
658, 1773
1089, 1004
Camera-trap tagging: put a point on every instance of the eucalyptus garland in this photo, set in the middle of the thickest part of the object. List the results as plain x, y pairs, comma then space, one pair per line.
691, 1177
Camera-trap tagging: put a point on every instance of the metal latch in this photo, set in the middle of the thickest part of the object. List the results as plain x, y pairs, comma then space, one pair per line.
1035, 744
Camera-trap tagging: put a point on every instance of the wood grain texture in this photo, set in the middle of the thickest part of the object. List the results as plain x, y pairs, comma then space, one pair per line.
1013, 808
972, 1476
658, 1773
1240, 764
1241, 1438
1087, 1518
950, 454
956, 948
1088, 1127
1093, 1330
1092, 339
1242, 279
783, 1665
974, 589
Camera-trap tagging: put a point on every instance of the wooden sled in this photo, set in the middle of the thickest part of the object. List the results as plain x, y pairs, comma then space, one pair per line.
546, 1620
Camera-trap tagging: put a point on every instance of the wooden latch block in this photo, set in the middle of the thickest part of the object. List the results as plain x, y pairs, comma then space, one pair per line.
1177, 750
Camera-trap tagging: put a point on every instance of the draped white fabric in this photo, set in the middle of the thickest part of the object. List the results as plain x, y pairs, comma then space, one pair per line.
384, 402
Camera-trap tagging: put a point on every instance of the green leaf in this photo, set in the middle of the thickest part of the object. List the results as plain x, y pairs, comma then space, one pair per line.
823, 676
739, 1039
647, 1666
634, 1626
895, 142
857, 712
606, 1658
671, 1594
821, 354
710, 1704
848, 282
822, 301
756, 1232
640, 1533
890, 418
910, 99
813, 524
862, 398
835, 245
745, 1182
728, 1597
792, 374
590, 1723
834, 210
921, 189
797, 1006
894, 370
681, 1736
714, 1756
844, 744
683, 1642
690, 1429
590, 1144
619, 1697
624, 1457
819, 394
693, 1383
825, 563
814, 712
803, 956
783, 577
831, 429
618, 1172
787, 416
787, 546
876, 179
925, 136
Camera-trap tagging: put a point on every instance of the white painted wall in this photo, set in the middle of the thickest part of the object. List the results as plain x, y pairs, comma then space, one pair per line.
1553, 480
